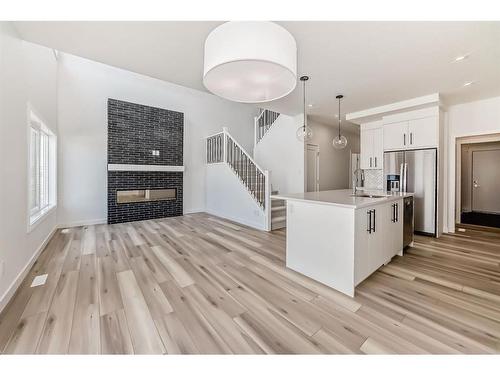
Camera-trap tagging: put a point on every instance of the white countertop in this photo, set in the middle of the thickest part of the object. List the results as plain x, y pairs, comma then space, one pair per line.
343, 198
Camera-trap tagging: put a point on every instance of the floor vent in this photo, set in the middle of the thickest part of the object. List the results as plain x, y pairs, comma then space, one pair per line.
39, 280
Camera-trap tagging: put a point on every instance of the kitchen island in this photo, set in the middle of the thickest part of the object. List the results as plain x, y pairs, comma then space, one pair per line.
339, 239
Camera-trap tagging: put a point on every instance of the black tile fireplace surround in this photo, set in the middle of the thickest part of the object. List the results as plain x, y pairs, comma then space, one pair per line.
135, 134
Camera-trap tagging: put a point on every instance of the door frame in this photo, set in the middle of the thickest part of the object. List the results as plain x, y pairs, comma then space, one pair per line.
316, 146
459, 141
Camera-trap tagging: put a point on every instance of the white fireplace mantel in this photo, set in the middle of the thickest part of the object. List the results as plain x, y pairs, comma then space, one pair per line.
145, 168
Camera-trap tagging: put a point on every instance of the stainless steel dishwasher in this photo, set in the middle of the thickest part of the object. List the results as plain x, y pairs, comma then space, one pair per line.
408, 221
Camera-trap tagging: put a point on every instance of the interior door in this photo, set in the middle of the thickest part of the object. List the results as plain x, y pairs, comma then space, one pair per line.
486, 181
312, 166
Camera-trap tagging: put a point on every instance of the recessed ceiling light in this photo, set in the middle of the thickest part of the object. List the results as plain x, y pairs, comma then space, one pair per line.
461, 58
469, 83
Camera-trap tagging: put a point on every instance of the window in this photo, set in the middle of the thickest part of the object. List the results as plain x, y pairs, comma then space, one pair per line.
42, 169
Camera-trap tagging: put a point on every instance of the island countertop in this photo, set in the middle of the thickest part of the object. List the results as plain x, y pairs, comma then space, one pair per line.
344, 198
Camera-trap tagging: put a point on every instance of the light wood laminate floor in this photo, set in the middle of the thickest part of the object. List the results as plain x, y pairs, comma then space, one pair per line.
200, 284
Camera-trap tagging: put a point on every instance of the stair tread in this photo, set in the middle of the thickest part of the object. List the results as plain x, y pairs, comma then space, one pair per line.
278, 208
278, 218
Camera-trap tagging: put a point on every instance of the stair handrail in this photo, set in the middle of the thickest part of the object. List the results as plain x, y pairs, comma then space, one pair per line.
264, 115
225, 131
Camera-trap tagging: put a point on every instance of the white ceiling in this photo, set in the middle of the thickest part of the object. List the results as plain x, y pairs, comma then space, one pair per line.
371, 63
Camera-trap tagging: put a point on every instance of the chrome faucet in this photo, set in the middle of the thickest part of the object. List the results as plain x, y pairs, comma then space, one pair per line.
355, 180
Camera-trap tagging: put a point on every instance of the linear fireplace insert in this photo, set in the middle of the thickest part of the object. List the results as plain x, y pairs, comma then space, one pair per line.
145, 195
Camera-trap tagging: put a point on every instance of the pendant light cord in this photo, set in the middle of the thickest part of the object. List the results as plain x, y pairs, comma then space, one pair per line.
304, 99
339, 118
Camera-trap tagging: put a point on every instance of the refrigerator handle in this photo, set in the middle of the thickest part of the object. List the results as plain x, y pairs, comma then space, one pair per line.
401, 177
403, 173
406, 177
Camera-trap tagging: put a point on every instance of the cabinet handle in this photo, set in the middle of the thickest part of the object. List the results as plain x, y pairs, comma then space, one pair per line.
373, 221
370, 161
397, 212
375, 161
393, 217
411, 138
404, 139
369, 213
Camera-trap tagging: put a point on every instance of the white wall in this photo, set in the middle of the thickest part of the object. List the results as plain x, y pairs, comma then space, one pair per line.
282, 154
84, 87
28, 74
227, 197
334, 165
463, 120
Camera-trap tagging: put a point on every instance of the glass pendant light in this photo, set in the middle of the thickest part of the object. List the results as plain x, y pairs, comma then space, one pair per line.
304, 133
339, 142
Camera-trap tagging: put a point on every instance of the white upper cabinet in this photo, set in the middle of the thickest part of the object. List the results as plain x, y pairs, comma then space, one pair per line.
411, 134
378, 148
395, 135
372, 146
423, 132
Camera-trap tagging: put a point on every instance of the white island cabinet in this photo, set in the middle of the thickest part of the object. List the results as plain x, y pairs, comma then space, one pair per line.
339, 240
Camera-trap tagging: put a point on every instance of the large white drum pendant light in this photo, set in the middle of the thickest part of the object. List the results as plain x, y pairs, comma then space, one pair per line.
250, 61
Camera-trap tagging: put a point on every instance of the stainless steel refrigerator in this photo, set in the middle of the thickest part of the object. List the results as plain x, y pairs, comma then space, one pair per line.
416, 171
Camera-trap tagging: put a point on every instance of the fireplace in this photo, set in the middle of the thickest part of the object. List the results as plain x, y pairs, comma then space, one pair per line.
145, 155
145, 195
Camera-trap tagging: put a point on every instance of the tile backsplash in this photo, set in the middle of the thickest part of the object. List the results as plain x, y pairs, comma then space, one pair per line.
374, 178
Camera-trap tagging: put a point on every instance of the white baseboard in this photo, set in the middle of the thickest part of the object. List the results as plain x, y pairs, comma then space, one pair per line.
194, 210
252, 224
11, 290
82, 223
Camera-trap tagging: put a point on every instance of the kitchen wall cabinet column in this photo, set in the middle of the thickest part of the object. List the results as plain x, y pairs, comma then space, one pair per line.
372, 145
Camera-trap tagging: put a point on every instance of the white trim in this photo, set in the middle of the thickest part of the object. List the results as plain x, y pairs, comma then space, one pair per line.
34, 220
146, 168
238, 220
82, 223
34, 118
402, 105
11, 290
213, 135
193, 211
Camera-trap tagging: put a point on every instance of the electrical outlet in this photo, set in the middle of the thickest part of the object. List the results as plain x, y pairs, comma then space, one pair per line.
155, 152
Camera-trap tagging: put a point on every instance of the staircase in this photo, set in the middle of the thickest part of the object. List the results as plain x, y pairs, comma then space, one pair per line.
222, 148
263, 124
224, 151
278, 213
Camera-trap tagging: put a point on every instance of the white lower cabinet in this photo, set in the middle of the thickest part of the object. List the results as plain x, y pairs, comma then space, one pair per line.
378, 237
